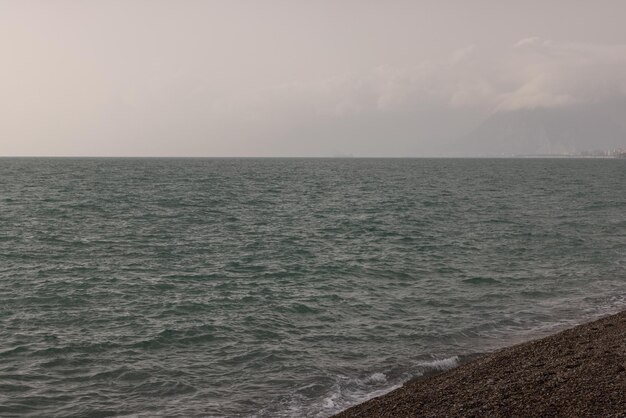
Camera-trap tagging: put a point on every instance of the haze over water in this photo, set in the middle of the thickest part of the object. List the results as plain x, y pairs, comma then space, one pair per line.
286, 287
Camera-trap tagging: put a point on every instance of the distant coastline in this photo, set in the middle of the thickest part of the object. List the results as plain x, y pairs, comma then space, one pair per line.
577, 156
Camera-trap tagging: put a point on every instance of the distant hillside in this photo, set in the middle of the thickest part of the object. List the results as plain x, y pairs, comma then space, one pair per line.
548, 131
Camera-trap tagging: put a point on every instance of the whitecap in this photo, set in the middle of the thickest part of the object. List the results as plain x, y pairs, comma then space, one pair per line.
441, 364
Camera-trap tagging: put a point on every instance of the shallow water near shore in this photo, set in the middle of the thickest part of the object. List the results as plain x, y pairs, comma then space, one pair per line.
287, 287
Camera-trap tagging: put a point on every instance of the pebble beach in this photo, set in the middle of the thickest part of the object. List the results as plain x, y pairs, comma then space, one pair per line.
579, 372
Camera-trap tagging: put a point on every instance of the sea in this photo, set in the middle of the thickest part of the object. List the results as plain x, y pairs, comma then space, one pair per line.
287, 287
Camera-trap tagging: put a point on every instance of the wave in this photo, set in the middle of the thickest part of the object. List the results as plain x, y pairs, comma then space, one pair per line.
344, 393
481, 280
441, 364
349, 391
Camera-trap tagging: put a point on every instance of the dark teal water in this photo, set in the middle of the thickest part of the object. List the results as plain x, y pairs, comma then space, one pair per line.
286, 287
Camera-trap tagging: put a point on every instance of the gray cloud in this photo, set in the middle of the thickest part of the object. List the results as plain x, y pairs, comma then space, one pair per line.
532, 73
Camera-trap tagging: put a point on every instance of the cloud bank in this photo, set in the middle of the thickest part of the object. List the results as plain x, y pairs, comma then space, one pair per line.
430, 103
533, 73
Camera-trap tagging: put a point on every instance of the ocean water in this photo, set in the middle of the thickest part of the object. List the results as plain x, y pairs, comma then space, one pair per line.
287, 287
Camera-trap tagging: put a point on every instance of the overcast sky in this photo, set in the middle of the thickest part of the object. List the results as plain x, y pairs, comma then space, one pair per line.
292, 78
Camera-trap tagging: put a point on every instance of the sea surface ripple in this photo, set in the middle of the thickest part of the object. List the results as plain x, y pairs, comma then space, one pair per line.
286, 287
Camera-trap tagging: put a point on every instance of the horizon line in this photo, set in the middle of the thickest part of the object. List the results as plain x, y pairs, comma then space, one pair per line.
538, 156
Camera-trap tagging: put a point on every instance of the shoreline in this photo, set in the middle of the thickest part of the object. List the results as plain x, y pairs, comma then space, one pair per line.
580, 371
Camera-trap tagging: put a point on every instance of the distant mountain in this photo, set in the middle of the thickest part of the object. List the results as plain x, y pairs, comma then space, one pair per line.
573, 129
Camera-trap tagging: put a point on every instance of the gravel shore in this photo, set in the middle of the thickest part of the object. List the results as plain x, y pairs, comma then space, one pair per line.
579, 372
